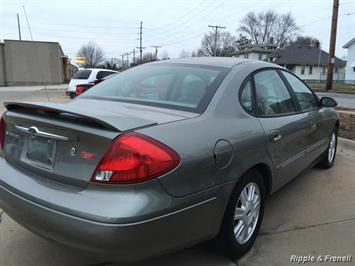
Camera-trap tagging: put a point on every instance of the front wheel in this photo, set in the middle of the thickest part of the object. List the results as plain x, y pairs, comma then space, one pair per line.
243, 216
329, 155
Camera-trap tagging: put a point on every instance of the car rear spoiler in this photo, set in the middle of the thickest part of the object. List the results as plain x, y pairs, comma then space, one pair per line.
105, 119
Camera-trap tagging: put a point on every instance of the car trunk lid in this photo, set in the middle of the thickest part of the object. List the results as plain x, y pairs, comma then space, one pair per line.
65, 142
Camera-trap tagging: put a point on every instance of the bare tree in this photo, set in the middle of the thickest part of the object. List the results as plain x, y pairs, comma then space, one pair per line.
306, 41
148, 57
184, 53
265, 25
194, 54
285, 29
93, 54
226, 44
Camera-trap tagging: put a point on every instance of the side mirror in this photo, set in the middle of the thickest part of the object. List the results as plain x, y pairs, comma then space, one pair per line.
328, 102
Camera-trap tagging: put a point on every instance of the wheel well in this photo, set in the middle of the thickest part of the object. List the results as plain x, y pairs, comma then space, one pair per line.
265, 170
337, 124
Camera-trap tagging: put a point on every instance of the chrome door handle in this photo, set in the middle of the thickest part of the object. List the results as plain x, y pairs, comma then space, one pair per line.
313, 125
277, 137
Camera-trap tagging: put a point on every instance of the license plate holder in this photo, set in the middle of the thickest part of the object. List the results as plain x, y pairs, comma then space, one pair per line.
41, 151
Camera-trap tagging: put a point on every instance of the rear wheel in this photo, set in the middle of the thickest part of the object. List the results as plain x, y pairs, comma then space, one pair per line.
328, 157
243, 216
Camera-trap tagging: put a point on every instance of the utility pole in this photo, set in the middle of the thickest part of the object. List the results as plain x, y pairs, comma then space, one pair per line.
122, 55
216, 28
134, 56
19, 27
140, 42
127, 54
156, 50
333, 36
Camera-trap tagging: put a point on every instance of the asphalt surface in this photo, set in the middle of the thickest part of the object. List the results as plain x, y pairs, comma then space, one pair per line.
344, 100
39, 95
312, 215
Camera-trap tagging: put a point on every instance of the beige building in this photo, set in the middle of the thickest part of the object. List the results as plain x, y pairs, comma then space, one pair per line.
33, 63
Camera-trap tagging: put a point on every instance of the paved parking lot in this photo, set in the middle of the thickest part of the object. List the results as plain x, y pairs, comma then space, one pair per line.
312, 215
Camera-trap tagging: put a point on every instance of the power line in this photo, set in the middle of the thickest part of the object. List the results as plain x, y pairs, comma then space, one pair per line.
211, 5
28, 23
172, 34
325, 18
182, 18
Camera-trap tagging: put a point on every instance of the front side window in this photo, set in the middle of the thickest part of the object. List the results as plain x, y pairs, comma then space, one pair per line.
272, 95
175, 86
303, 94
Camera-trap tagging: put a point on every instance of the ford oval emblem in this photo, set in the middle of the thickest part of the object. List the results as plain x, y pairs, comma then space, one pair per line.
33, 130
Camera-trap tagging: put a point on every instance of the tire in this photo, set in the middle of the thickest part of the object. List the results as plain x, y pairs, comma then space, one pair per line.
329, 155
236, 246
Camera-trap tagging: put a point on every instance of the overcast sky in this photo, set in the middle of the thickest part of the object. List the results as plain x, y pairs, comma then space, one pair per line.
173, 24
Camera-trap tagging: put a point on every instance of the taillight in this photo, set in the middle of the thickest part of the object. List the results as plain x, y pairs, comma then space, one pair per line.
2, 133
134, 158
79, 90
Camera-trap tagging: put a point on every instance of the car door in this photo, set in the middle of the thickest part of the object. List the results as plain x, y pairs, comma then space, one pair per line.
318, 130
284, 127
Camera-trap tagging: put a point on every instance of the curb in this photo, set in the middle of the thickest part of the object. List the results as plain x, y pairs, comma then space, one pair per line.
335, 92
347, 143
34, 88
345, 112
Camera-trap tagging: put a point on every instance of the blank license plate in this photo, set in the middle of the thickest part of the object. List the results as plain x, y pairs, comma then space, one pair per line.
41, 150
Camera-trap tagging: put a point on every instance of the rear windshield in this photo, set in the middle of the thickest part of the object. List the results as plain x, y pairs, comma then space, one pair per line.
175, 86
82, 74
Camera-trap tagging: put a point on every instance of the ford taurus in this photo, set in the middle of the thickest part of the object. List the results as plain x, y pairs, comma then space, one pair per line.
163, 156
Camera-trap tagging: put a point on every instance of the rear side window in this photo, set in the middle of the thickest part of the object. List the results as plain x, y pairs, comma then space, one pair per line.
102, 74
246, 98
272, 95
304, 96
82, 74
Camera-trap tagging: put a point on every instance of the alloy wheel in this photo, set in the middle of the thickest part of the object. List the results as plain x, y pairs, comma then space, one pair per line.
246, 213
332, 147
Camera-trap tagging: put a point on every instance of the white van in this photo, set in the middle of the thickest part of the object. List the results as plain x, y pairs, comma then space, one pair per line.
85, 76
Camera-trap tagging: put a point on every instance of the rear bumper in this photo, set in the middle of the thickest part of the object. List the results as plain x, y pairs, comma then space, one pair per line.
126, 242
138, 224
71, 94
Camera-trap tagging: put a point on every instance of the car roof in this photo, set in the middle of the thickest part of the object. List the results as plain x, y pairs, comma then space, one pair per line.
227, 62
